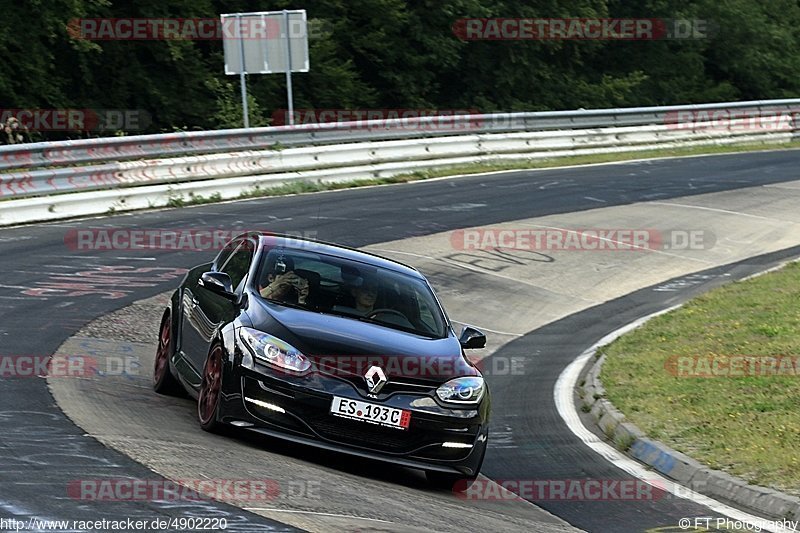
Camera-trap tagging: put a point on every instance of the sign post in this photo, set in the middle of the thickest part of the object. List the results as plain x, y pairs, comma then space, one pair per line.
243, 73
288, 56
267, 42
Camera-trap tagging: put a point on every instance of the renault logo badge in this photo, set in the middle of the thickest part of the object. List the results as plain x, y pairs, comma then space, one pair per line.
376, 379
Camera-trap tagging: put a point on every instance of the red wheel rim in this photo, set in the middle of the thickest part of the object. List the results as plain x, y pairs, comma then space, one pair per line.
210, 388
162, 352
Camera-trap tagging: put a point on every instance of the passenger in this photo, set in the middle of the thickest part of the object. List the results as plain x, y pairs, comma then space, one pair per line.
283, 284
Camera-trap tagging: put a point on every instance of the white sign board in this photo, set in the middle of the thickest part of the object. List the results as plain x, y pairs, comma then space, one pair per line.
265, 43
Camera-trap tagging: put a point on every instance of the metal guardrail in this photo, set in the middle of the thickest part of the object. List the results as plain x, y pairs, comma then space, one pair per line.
88, 151
33, 195
236, 161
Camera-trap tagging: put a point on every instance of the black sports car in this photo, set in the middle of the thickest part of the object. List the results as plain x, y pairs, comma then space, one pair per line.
327, 346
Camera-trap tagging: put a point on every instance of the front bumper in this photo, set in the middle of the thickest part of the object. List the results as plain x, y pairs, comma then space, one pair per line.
298, 409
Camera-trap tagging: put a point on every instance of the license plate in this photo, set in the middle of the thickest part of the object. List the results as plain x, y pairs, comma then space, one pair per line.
370, 412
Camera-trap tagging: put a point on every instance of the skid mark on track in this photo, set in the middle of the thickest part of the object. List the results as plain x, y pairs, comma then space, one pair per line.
108, 282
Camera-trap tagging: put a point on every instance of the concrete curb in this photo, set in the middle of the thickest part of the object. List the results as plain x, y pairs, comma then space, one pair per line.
676, 465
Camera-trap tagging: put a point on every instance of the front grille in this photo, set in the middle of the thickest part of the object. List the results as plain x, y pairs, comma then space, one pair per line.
368, 435
391, 387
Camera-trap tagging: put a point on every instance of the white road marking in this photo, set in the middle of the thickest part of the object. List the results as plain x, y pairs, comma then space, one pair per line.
319, 217
452, 207
547, 185
593, 199
315, 513
516, 185
563, 395
73, 257
59, 225
489, 330
717, 210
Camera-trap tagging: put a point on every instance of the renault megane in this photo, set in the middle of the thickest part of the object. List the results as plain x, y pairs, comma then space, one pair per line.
327, 346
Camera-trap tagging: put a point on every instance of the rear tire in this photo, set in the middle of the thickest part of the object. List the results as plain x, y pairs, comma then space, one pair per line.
163, 380
208, 400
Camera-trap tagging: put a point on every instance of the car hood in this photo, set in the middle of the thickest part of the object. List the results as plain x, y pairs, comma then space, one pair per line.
353, 346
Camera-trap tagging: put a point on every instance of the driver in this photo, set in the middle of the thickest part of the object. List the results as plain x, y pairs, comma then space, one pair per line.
283, 283
360, 297
365, 295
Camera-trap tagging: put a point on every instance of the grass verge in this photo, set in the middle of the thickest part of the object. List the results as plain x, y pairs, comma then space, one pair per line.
678, 378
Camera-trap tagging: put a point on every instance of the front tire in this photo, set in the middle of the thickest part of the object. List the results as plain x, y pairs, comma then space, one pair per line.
208, 401
163, 380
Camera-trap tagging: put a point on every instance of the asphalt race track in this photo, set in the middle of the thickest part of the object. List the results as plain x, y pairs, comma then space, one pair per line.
49, 291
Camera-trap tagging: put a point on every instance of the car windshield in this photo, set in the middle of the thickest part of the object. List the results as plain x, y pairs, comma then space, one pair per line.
354, 290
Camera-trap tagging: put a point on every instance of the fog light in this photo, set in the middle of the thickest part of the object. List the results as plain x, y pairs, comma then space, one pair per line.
456, 445
265, 405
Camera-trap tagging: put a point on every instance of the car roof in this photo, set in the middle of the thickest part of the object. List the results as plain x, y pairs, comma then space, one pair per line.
336, 250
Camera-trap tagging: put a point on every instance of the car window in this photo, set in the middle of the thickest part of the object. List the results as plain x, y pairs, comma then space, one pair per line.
328, 273
224, 254
426, 315
359, 291
238, 263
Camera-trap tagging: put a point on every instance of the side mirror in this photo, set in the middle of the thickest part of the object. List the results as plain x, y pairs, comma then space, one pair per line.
472, 338
218, 283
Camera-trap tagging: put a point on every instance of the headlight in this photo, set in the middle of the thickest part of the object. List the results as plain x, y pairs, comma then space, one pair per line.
273, 351
465, 391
